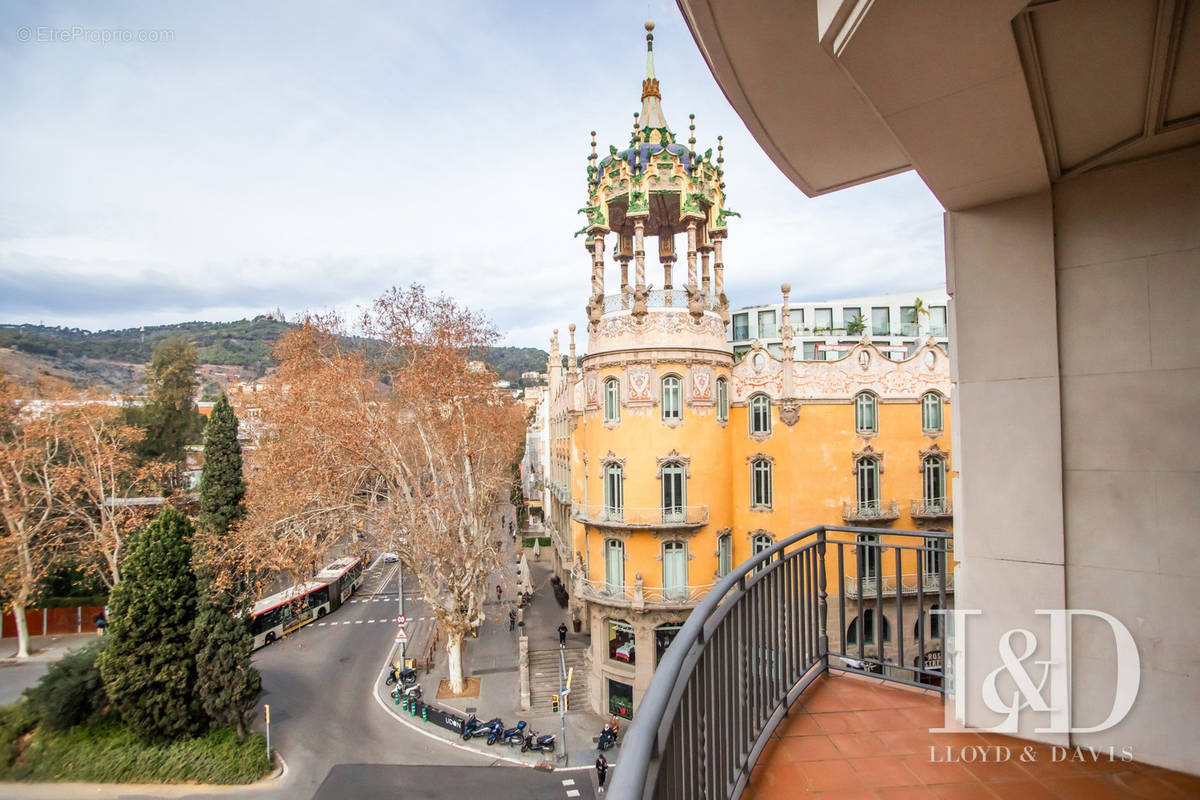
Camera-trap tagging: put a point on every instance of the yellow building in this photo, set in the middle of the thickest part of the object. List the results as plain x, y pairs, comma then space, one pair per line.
670, 462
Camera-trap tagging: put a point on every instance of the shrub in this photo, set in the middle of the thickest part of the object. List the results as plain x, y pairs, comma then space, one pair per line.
15, 721
71, 692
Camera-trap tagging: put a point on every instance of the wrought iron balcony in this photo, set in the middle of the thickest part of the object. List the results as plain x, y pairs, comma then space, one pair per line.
936, 508
871, 511
748, 650
648, 517
640, 596
868, 587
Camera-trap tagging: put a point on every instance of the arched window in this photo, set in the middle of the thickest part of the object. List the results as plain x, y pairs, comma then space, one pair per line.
867, 471
931, 412
724, 555
869, 555
933, 469
614, 493
614, 566
722, 400
674, 490
674, 571
760, 414
760, 483
761, 543
612, 400
866, 416
935, 625
672, 405
868, 628
933, 561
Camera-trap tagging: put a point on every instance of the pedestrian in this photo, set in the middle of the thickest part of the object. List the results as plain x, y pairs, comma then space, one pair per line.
101, 624
562, 634
512, 619
498, 593
601, 770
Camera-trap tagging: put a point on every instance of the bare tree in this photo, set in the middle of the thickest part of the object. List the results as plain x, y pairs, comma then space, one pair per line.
411, 440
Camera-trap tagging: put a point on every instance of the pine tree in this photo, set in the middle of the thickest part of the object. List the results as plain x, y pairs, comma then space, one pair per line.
170, 418
149, 668
227, 685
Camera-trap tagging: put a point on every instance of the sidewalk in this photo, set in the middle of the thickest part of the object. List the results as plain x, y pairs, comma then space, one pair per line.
18, 675
493, 658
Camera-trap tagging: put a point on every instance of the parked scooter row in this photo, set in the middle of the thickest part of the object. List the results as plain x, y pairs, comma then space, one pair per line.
407, 679
521, 735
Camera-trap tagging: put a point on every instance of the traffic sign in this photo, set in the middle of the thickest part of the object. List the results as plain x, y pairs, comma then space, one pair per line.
402, 620
401, 636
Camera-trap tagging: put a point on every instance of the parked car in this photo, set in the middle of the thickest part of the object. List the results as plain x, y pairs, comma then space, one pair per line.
390, 558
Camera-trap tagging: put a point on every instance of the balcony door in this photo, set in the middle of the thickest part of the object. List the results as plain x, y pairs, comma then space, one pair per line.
614, 566
674, 561
868, 556
934, 470
673, 509
868, 486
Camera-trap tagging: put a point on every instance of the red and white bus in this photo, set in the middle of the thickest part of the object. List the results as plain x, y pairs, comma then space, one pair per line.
276, 616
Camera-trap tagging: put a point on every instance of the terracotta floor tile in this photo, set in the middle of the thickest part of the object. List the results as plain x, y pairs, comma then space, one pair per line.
972, 790
1084, 788
880, 771
844, 794
838, 722
1021, 790
903, 793
899, 698
801, 724
1189, 784
885, 719
858, 745
932, 716
902, 743
1149, 786
807, 748
998, 771
824, 776
930, 772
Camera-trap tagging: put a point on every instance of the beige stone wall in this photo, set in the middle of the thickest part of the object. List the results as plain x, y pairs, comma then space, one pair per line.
1076, 318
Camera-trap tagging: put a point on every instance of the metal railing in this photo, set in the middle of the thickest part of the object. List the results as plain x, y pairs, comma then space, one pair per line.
870, 585
755, 643
870, 511
642, 517
657, 298
933, 508
639, 595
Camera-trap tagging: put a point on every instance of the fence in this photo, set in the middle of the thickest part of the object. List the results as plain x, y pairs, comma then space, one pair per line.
53, 621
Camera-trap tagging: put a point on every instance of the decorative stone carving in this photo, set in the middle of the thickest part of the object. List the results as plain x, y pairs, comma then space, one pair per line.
701, 386
592, 390
612, 458
789, 412
640, 295
639, 386
866, 453
673, 457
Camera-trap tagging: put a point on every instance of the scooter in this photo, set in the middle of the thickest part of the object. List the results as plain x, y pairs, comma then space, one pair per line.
538, 743
514, 736
406, 676
475, 728
411, 691
608, 737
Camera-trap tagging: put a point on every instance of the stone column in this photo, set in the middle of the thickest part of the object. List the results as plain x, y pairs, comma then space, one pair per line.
666, 257
693, 279
639, 254
706, 279
719, 277
598, 264
624, 253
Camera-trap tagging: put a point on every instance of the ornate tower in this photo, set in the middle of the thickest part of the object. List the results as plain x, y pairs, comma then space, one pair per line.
650, 494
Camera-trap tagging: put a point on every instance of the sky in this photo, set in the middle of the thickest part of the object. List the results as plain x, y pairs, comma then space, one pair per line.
223, 160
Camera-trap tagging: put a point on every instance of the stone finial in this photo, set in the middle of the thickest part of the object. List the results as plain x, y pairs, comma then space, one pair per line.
692, 131
553, 345
571, 363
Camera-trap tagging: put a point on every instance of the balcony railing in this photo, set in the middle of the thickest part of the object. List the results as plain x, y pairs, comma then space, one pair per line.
753, 645
639, 595
869, 587
648, 517
658, 298
938, 508
871, 511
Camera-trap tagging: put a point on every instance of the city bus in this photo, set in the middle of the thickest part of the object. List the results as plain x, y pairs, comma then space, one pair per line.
278, 615
344, 576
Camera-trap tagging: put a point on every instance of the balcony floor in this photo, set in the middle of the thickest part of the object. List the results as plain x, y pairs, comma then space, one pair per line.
848, 737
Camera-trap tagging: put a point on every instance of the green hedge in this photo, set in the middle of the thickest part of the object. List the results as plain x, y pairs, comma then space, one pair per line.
544, 541
72, 602
110, 753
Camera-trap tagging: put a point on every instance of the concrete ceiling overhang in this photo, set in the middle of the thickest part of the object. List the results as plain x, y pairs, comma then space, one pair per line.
985, 100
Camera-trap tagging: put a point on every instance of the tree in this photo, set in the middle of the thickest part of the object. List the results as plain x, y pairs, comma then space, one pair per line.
148, 668
106, 481
30, 500
411, 441
228, 686
170, 418
856, 326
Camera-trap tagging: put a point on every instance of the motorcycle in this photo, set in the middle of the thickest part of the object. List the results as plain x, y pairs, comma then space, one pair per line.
406, 676
608, 737
514, 736
538, 743
474, 728
411, 691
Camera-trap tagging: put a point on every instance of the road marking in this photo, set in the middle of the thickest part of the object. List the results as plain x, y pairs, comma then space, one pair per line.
572, 793
358, 622
370, 620
569, 782
322, 624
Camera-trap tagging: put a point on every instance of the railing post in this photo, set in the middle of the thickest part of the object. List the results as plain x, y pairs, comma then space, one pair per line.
822, 603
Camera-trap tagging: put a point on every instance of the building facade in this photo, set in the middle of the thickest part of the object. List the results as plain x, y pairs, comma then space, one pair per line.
670, 460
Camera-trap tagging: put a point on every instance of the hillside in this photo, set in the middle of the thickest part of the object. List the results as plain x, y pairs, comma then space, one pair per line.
116, 359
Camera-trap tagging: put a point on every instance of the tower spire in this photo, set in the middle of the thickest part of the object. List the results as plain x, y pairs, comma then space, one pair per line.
652, 113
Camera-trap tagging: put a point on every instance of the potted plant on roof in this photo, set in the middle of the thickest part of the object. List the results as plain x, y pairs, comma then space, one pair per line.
856, 326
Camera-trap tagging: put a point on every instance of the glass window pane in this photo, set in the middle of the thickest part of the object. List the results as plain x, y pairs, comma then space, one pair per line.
937, 320
614, 565
722, 400
881, 321
725, 555
823, 318
741, 327
849, 314
766, 325
796, 317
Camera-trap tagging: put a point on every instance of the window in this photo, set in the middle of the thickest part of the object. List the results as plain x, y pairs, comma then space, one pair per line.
796, 317
673, 487
823, 319
612, 400
849, 314
869, 555
868, 485
724, 555
672, 407
865, 413
741, 327
935, 624
760, 414
931, 411
933, 469
674, 571
614, 493
722, 400
766, 325
620, 641
937, 320
620, 699
908, 320
760, 483
614, 566
663, 636
933, 560
868, 628
881, 321
810, 351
